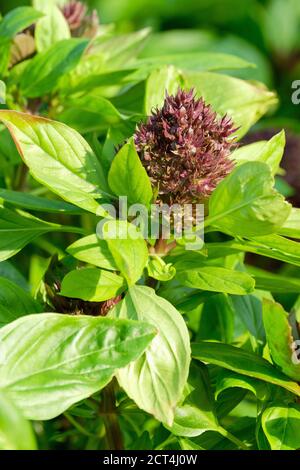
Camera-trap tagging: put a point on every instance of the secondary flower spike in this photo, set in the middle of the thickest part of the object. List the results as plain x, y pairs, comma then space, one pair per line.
185, 148
81, 24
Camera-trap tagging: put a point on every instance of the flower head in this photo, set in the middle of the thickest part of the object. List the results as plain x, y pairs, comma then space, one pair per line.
80, 23
185, 148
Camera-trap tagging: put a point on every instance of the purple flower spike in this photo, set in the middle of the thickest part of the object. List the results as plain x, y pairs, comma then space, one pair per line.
185, 148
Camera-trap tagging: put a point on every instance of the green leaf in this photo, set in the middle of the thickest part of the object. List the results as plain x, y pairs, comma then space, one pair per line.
166, 79
291, 227
215, 279
17, 229
243, 101
196, 414
249, 309
92, 284
246, 204
36, 203
50, 29
2, 92
243, 362
280, 424
94, 251
280, 339
128, 177
14, 302
59, 158
216, 319
269, 152
156, 380
17, 20
159, 270
275, 283
15, 432
194, 61
89, 113
227, 380
43, 72
128, 248
85, 354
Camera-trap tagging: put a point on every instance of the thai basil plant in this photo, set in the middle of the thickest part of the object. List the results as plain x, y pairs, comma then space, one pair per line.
136, 311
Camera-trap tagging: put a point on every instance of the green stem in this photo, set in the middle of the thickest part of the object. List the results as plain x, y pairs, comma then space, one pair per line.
109, 415
232, 438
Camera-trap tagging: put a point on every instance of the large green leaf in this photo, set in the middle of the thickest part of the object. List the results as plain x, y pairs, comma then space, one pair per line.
280, 339
243, 101
242, 362
14, 302
280, 424
15, 432
50, 361
58, 157
128, 248
216, 319
43, 72
128, 177
274, 282
156, 380
246, 204
92, 284
93, 250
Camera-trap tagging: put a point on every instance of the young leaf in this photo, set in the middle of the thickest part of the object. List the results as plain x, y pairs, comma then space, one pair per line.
58, 157
280, 424
242, 362
159, 270
93, 250
128, 177
129, 249
92, 284
15, 432
85, 354
280, 339
269, 152
246, 204
15, 302
50, 29
43, 72
156, 380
